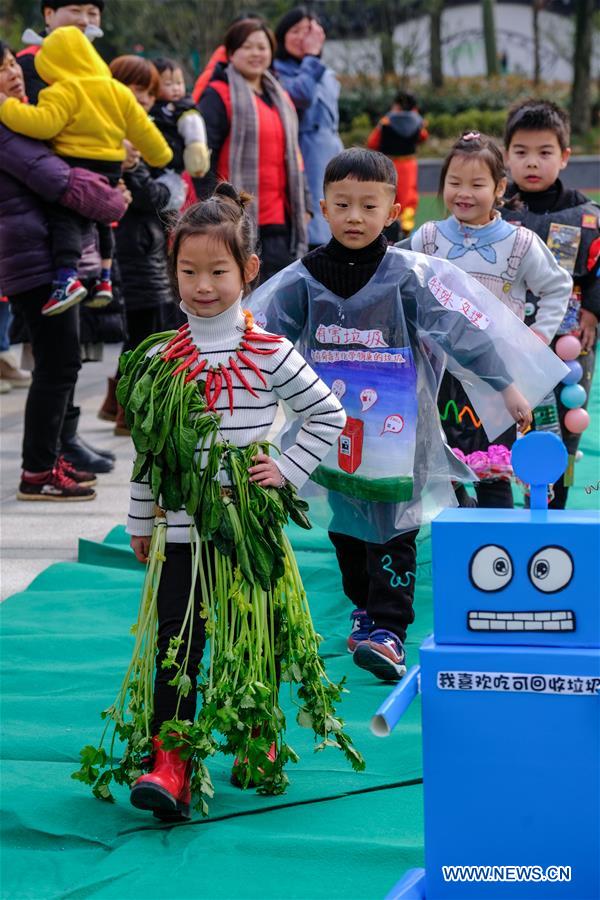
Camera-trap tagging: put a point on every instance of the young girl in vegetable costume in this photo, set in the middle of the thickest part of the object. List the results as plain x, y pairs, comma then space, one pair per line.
208, 506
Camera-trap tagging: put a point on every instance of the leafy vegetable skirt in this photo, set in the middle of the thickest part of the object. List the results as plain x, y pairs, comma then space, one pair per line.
245, 591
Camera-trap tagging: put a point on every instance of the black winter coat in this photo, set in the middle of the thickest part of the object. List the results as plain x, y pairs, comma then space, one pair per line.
141, 246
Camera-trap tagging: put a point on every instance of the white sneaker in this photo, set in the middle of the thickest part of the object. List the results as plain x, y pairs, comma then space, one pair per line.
10, 371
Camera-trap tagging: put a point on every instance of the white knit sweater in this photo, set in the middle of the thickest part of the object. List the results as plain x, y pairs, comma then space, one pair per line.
508, 260
288, 377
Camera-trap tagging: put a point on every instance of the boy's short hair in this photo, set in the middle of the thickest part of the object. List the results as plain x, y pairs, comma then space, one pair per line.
538, 115
166, 64
405, 100
361, 165
56, 4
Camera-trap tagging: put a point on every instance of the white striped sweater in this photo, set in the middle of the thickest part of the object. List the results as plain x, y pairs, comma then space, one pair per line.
289, 378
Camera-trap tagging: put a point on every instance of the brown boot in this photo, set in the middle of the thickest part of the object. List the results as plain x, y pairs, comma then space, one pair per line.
108, 410
121, 426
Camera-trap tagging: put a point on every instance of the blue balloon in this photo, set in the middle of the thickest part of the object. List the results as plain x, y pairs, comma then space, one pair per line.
573, 396
575, 372
539, 458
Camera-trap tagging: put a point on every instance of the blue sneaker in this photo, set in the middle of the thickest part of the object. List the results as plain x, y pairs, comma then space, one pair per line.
382, 654
362, 624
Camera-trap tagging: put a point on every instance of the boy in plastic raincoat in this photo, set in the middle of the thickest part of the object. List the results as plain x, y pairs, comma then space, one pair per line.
379, 325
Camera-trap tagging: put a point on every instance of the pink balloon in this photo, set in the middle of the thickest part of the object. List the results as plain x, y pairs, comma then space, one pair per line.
568, 347
577, 420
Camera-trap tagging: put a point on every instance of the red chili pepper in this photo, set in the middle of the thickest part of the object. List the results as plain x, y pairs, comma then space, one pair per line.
218, 383
235, 368
187, 362
259, 336
251, 365
229, 383
178, 339
252, 349
171, 354
195, 372
176, 348
180, 352
207, 388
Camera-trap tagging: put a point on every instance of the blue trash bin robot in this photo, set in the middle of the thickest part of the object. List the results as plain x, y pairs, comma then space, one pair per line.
510, 684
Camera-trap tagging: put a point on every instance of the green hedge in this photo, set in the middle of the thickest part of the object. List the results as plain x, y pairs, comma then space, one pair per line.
459, 95
461, 105
487, 121
442, 125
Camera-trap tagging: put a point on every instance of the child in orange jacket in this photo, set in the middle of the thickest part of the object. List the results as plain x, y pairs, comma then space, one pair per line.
397, 135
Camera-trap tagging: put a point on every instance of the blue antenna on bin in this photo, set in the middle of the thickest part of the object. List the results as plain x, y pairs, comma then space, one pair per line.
539, 459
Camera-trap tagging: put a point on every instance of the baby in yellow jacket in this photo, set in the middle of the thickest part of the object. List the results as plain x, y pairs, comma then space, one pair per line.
86, 115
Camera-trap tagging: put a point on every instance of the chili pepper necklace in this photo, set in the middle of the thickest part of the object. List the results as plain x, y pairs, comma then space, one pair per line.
182, 347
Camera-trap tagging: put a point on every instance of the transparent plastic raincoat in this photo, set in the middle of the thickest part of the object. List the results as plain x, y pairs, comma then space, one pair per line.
383, 351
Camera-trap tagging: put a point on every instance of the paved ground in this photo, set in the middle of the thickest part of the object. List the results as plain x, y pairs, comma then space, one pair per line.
35, 534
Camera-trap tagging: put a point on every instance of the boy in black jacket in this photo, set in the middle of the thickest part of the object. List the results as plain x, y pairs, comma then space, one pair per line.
537, 149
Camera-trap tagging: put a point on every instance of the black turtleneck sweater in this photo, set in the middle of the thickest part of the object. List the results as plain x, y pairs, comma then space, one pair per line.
553, 199
344, 271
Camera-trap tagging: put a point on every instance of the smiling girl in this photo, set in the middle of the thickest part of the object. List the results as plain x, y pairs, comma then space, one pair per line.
200, 403
509, 261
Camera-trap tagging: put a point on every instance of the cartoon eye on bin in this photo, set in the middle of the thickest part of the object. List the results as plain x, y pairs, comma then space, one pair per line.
550, 569
491, 568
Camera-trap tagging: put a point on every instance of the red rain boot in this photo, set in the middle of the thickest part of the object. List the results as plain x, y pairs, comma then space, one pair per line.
166, 789
271, 756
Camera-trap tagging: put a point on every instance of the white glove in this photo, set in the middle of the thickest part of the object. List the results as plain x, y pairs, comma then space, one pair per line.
177, 190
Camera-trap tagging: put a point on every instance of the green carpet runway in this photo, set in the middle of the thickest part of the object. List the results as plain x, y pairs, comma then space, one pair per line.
333, 834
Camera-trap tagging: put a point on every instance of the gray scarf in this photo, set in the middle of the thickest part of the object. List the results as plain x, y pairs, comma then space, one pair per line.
243, 149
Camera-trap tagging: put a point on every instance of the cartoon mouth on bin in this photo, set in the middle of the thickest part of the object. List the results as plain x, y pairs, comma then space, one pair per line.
561, 620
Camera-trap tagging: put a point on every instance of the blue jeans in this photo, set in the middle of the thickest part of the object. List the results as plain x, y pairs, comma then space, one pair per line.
5, 320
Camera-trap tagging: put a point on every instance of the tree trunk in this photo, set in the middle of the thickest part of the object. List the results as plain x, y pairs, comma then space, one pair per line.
489, 37
388, 53
435, 44
537, 5
386, 39
581, 114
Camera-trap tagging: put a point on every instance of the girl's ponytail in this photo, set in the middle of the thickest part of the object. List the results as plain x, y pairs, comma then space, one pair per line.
225, 189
